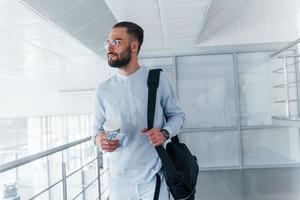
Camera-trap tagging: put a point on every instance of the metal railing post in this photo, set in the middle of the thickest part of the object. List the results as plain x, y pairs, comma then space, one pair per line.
48, 177
99, 166
17, 171
64, 180
83, 183
286, 87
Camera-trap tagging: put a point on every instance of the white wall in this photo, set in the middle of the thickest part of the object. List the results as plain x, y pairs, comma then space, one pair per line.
45, 104
43, 97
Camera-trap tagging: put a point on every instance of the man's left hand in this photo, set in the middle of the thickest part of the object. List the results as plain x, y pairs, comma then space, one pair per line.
155, 136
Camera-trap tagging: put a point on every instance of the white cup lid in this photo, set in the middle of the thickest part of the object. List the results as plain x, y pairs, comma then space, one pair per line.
110, 125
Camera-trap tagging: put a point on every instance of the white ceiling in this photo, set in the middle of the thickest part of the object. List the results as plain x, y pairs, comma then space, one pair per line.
174, 24
271, 20
167, 23
89, 21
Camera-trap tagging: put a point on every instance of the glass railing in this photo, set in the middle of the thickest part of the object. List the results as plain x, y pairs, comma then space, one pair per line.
70, 171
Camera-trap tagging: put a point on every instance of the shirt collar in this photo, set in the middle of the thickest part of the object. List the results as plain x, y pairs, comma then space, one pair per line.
133, 75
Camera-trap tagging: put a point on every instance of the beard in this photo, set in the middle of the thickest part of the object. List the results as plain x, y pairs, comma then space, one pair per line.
122, 59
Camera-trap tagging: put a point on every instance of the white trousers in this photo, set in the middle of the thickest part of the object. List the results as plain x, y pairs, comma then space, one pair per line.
145, 191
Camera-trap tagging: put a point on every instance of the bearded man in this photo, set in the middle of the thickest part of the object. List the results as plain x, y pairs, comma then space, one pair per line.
122, 99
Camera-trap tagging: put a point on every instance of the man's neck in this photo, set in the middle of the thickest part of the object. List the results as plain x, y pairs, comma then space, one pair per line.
129, 69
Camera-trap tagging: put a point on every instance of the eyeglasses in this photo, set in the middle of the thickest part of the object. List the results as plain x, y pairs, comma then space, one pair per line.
113, 43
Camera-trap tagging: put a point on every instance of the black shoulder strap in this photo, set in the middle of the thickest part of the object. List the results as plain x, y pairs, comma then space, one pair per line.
153, 82
157, 187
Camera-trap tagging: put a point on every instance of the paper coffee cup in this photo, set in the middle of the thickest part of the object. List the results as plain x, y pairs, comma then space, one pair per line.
112, 131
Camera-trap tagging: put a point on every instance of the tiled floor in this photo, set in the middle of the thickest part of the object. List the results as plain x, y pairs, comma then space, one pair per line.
249, 184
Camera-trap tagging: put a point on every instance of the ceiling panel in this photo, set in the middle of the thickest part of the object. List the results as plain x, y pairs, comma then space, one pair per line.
52, 9
158, 44
98, 46
178, 35
12, 62
33, 30
127, 4
137, 15
62, 46
12, 12
180, 43
151, 37
191, 25
87, 21
86, 62
180, 2
151, 26
81, 15
95, 29
11, 43
197, 11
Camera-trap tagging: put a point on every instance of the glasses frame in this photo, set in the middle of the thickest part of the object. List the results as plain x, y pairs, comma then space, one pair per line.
114, 43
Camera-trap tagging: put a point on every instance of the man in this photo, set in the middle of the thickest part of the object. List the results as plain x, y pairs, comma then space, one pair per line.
123, 99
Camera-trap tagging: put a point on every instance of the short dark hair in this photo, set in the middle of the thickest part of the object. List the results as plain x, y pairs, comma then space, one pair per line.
133, 30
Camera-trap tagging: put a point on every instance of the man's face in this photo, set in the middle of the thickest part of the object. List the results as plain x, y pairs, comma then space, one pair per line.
118, 49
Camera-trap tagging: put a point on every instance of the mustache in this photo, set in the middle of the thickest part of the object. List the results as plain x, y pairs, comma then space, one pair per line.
111, 53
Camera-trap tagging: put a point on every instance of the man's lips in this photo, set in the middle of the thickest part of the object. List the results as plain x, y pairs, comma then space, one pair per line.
111, 55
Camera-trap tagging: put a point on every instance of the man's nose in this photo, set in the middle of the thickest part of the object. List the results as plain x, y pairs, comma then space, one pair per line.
110, 47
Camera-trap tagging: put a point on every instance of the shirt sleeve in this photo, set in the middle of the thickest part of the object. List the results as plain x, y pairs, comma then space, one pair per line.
99, 113
174, 115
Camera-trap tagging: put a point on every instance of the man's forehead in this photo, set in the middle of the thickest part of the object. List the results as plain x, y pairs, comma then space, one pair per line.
120, 33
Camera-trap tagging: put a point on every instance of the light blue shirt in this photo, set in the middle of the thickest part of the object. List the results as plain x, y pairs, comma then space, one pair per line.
125, 98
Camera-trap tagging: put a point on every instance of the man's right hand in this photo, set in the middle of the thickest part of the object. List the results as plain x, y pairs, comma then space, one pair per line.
105, 144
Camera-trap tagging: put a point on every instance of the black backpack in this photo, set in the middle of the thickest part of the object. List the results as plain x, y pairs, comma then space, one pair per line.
179, 165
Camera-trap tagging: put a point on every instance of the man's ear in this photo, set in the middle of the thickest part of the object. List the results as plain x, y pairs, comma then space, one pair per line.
134, 46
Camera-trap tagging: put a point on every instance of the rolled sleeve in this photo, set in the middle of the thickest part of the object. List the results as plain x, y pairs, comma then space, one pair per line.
174, 115
99, 115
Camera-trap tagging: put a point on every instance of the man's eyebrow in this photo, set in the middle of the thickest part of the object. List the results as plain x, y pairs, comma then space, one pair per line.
115, 39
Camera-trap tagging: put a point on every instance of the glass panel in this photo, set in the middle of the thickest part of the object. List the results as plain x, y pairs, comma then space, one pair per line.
271, 146
213, 149
260, 88
55, 192
13, 136
255, 83
55, 173
206, 90
74, 185
166, 64
156, 62
89, 175
31, 179
76, 157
